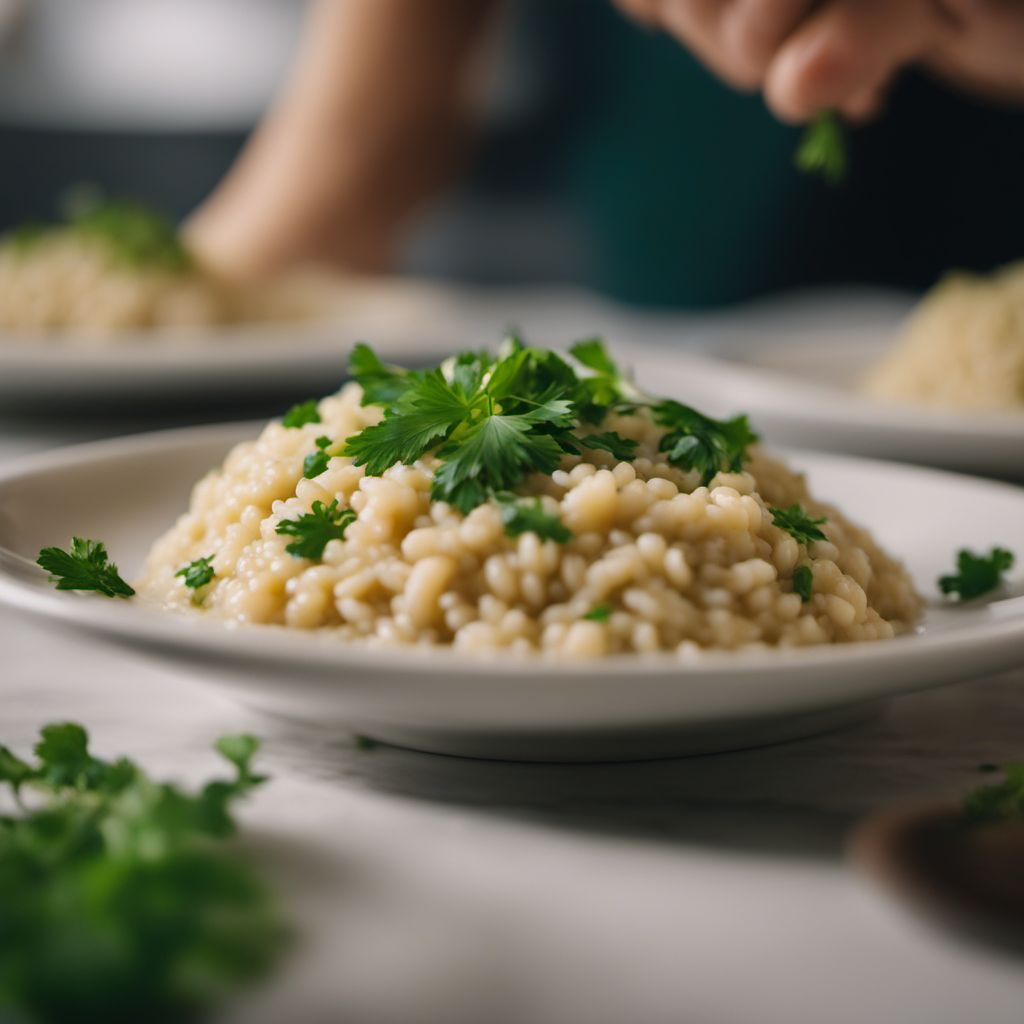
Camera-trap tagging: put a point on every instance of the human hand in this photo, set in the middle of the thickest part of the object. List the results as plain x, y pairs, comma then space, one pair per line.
808, 55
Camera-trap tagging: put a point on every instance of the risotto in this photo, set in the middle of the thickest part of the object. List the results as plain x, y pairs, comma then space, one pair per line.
963, 348
605, 552
120, 267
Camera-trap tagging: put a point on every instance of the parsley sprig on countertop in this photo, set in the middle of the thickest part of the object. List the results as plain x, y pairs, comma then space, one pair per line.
977, 574
491, 421
117, 903
85, 567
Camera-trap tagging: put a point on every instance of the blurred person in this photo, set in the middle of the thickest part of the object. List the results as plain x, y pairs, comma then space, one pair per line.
641, 157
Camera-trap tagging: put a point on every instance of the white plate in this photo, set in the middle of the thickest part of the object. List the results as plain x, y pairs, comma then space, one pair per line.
799, 387
408, 321
403, 319
127, 491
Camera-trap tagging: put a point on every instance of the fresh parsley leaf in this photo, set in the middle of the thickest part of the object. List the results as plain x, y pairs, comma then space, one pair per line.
803, 582
601, 613
137, 236
496, 453
1000, 802
623, 448
694, 441
804, 529
606, 389
381, 384
301, 414
822, 148
527, 515
977, 574
592, 354
316, 462
197, 573
314, 529
116, 903
84, 567
423, 415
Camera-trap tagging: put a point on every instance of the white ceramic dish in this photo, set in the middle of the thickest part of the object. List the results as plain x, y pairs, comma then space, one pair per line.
402, 318
799, 386
126, 491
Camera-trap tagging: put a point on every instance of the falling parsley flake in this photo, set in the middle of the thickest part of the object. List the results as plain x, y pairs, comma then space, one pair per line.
804, 529
84, 567
301, 414
977, 574
601, 613
803, 582
527, 515
315, 529
822, 148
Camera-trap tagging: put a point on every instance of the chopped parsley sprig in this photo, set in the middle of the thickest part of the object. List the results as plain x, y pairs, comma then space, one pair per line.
85, 567
118, 900
977, 574
803, 528
527, 515
301, 413
316, 462
197, 573
315, 529
694, 441
803, 582
491, 421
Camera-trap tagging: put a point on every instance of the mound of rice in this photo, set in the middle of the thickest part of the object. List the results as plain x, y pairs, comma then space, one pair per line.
963, 348
673, 566
65, 281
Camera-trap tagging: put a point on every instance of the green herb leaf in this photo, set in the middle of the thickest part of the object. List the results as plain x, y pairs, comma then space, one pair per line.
381, 384
316, 528
317, 462
822, 149
977, 574
606, 389
137, 236
425, 413
84, 567
115, 904
623, 448
694, 441
803, 582
301, 414
601, 613
998, 803
197, 573
527, 515
804, 529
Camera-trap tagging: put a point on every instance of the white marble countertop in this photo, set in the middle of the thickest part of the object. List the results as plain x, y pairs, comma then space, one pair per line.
711, 890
